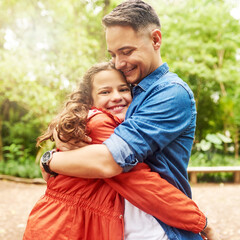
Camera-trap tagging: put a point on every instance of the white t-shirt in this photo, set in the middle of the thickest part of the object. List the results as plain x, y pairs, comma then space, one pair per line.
139, 225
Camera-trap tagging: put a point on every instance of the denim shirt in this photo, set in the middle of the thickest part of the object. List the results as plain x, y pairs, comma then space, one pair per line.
159, 130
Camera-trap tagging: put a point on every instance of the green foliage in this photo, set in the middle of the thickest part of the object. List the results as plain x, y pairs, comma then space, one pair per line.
213, 141
24, 132
201, 43
206, 159
15, 152
202, 159
28, 169
19, 162
46, 46
215, 177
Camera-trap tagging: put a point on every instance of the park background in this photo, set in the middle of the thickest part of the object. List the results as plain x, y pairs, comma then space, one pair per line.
46, 46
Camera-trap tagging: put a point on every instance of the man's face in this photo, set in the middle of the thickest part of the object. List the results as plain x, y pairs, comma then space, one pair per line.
132, 52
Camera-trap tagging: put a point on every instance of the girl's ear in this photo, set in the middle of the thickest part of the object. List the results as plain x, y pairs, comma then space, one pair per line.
156, 38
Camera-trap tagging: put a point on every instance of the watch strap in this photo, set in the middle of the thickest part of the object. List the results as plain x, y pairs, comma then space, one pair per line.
48, 170
46, 164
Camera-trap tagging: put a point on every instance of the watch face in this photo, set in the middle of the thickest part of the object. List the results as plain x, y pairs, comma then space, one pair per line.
46, 156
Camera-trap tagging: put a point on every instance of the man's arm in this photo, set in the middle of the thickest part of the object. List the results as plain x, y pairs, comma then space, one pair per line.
134, 140
89, 161
93, 161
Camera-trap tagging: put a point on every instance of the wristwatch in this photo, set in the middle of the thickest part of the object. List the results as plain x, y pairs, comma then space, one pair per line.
46, 159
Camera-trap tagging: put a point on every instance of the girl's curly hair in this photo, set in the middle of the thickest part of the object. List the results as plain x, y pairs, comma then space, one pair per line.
70, 123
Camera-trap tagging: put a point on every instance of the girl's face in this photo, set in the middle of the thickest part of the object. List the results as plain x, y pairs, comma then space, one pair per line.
111, 92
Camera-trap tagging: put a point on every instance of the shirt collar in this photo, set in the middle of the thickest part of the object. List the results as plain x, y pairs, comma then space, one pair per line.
155, 75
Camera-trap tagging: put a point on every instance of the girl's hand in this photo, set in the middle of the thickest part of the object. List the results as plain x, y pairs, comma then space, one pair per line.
71, 145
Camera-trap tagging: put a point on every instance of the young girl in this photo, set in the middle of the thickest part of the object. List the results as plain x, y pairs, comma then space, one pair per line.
89, 209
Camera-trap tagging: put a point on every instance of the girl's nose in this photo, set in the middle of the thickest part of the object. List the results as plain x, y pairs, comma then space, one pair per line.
116, 97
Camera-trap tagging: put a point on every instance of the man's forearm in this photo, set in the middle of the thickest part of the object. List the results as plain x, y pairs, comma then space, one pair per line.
93, 161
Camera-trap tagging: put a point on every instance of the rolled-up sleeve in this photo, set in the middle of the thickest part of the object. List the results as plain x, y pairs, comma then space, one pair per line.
121, 152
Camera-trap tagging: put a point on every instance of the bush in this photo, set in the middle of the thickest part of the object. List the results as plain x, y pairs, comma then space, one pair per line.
215, 177
203, 160
28, 169
19, 162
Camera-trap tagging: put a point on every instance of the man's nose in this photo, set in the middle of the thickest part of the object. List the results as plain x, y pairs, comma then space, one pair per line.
119, 63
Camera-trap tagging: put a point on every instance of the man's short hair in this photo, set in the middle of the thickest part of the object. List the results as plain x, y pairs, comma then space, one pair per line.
134, 13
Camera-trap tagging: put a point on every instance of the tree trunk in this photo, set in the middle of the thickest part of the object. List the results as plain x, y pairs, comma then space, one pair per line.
1, 144
236, 143
4, 114
103, 42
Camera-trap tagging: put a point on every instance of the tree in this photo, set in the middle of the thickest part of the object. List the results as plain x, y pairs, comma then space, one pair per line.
201, 43
45, 48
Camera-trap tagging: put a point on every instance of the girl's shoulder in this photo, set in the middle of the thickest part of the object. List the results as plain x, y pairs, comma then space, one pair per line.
102, 114
101, 125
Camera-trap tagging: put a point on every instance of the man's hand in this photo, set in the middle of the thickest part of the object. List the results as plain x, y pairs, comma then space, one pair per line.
71, 145
209, 234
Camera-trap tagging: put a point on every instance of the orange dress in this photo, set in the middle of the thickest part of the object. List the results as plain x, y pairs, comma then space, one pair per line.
92, 209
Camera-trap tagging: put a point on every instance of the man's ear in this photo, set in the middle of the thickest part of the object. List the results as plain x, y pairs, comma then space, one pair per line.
156, 38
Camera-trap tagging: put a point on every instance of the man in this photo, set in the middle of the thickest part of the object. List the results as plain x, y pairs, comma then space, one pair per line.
160, 122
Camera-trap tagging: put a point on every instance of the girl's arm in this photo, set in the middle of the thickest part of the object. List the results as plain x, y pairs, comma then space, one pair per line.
157, 197
147, 190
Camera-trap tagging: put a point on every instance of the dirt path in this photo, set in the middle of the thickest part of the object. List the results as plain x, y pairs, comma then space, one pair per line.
221, 203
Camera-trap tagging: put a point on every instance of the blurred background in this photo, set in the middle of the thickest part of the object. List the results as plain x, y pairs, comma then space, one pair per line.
46, 46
